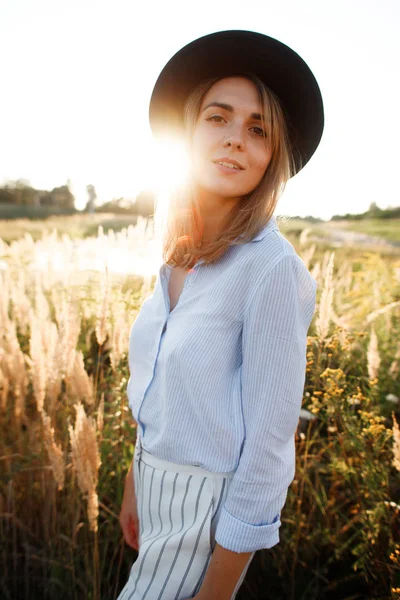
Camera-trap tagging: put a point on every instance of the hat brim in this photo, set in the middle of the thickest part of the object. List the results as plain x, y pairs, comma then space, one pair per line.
230, 52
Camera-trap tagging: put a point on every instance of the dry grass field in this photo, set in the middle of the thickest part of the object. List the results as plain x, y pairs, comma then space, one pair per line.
68, 297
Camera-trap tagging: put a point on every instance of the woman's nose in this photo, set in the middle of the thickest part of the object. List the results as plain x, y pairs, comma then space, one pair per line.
235, 140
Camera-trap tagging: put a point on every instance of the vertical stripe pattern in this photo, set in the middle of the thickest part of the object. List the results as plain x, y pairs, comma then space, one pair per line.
178, 511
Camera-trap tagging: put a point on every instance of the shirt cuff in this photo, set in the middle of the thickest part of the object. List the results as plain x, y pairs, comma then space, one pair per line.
238, 536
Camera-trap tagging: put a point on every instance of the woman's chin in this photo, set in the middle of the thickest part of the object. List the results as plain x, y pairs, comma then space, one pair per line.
220, 188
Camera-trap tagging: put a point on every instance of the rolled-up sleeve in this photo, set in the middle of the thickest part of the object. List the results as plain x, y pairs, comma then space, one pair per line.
274, 343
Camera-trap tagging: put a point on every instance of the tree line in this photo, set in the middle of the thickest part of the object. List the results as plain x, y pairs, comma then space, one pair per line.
18, 197
20, 193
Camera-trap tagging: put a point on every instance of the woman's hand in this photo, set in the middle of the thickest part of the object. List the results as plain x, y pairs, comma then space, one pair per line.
128, 517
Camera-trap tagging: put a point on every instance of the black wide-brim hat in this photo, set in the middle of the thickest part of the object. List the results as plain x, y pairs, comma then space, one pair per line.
233, 52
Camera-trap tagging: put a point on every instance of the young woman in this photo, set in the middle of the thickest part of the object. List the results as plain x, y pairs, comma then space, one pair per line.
217, 354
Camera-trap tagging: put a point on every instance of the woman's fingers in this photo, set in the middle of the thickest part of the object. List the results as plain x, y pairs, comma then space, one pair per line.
130, 530
131, 536
128, 516
132, 533
131, 540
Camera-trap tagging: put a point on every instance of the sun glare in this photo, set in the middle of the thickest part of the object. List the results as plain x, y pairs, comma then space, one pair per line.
168, 168
168, 165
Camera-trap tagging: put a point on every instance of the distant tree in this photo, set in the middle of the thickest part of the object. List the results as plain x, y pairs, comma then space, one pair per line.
372, 207
22, 192
62, 197
92, 197
374, 210
6, 195
118, 205
20, 183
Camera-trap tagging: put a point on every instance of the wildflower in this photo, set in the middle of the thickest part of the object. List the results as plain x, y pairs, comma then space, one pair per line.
392, 398
353, 401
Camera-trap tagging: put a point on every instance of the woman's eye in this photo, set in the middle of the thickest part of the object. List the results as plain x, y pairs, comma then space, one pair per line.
259, 131
214, 117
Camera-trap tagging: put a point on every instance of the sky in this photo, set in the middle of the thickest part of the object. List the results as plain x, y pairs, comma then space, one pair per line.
77, 78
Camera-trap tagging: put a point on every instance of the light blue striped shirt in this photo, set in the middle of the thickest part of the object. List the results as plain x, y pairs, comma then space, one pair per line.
219, 381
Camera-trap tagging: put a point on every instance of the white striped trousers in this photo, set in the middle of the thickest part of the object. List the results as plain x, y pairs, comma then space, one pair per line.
178, 510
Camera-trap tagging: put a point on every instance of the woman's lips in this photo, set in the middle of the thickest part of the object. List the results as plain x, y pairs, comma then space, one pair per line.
229, 170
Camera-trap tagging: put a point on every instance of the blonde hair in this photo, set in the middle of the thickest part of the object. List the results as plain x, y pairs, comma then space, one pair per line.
182, 244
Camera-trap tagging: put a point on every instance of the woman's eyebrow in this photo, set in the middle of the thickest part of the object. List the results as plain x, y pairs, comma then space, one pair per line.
230, 108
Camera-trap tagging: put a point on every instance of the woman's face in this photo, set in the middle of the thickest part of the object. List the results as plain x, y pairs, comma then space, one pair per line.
229, 130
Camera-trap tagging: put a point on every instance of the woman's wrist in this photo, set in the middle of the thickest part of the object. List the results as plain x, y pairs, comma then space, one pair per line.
129, 475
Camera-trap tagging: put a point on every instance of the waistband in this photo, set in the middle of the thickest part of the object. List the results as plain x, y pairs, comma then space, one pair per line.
165, 465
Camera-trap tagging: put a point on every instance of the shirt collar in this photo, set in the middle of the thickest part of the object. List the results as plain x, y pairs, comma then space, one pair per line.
270, 226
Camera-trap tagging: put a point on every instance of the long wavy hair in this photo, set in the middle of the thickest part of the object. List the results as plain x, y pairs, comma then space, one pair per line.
183, 244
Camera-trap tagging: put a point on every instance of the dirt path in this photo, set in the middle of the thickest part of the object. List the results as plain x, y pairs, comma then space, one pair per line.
343, 237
